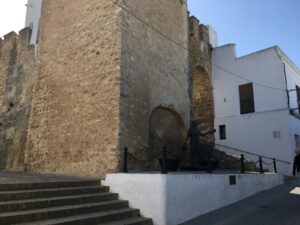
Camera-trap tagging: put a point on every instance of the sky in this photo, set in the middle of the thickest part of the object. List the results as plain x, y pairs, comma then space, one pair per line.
251, 24
12, 15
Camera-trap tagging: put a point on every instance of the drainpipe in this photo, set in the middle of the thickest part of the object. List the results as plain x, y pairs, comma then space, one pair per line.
287, 90
285, 77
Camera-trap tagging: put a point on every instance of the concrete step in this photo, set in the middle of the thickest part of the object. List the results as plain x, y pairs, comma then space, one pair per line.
107, 217
130, 221
47, 185
40, 203
59, 212
52, 192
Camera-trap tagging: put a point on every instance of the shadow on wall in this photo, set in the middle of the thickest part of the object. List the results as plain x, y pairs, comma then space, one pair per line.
166, 129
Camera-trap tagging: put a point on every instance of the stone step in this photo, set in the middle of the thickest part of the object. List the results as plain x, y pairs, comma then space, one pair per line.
131, 221
40, 203
47, 185
52, 192
60, 212
107, 217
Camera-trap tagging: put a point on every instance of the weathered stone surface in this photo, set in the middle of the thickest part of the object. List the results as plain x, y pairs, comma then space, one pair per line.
107, 76
232, 162
155, 75
201, 66
16, 65
74, 124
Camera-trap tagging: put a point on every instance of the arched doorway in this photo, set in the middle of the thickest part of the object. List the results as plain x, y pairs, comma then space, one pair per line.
166, 129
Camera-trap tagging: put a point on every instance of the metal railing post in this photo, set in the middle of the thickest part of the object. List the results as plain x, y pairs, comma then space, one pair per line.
125, 159
164, 161
275, 166
242, 164
261, 169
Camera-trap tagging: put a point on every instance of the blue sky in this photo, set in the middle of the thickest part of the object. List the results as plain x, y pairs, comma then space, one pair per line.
253, 24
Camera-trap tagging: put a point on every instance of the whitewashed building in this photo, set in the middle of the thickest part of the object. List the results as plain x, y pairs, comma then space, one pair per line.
256, 100
33, 15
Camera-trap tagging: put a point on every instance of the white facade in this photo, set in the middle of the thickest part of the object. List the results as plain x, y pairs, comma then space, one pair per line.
270, 130
213, 36
176, 198
33, 15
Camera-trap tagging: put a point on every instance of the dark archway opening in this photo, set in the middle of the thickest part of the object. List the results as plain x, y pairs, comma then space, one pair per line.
166, 129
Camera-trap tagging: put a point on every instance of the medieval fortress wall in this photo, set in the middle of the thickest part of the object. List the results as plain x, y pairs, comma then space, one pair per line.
155, 98
16, 68
74, 124
107, 75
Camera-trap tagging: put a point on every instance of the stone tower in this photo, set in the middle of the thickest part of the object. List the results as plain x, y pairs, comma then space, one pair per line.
106, 74
109, 74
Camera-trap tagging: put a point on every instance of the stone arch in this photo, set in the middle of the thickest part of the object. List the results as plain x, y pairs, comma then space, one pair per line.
166, 129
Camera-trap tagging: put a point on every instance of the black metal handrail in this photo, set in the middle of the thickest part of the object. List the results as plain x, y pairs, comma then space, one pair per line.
164, 153
250, 153
261, 163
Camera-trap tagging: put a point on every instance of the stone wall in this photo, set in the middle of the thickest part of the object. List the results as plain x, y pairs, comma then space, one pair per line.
74, 124
201, 66
155, 77
107, 76
16, 66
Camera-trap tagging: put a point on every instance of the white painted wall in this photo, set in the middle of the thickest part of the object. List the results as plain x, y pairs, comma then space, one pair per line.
264, 67
253, 132
293, 79
213, 36
176, 198
294, 130
33, 17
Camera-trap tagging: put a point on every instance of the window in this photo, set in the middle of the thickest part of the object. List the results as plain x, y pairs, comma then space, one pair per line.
222, 132
276, 134
246, 98
298, 97
297, 141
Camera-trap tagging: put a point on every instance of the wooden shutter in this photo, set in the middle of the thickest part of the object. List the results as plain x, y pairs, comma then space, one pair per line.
246, 98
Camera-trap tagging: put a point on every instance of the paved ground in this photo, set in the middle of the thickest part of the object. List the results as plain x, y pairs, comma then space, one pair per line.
277, 206
21, 177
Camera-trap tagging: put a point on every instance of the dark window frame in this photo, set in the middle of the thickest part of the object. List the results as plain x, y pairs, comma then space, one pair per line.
222, 132
246, 94
298, 97
297, 140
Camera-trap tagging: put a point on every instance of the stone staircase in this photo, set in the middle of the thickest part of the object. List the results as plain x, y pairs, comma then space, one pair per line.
80, 202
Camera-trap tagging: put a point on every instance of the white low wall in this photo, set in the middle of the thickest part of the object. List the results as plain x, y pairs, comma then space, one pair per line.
176, 198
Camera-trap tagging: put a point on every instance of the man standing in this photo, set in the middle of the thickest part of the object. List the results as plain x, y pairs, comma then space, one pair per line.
194, 134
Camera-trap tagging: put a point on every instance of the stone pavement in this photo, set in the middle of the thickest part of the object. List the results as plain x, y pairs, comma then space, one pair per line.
278, 206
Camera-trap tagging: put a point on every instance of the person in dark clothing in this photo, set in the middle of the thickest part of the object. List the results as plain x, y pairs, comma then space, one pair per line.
193, 134
296, 166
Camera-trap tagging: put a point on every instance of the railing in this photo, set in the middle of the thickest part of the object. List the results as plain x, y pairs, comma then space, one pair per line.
164, 152
254, 154
260, 161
